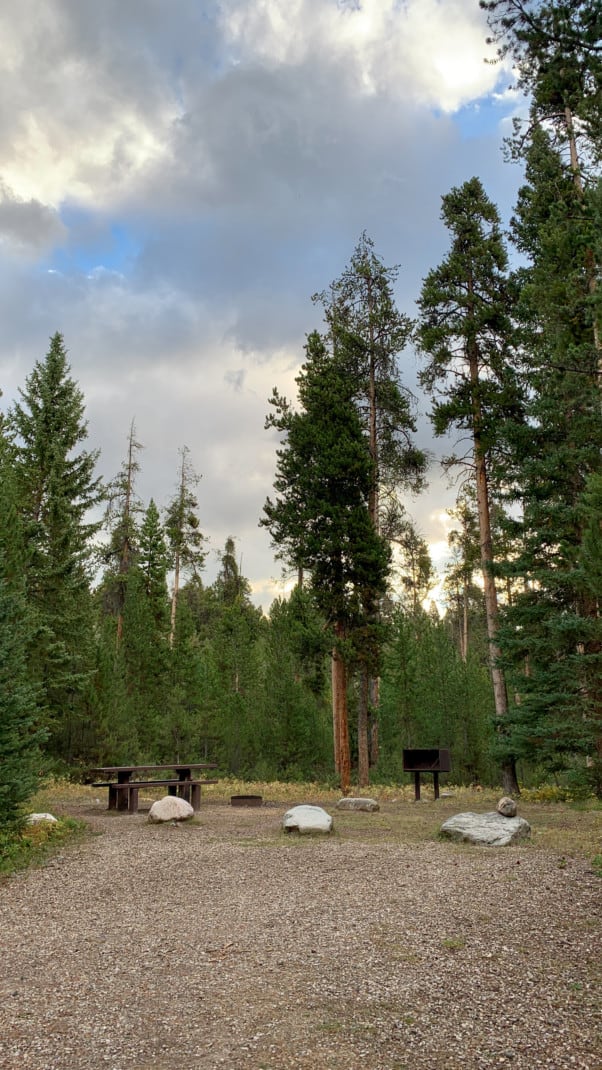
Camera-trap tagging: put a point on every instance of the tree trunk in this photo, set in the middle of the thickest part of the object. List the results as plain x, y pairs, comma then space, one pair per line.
335, 720
340, 716
464, 641
509, 780
373, 735
363, 755
373, 683
174, 599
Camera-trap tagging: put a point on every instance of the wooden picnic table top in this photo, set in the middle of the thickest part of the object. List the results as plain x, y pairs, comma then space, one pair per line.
177, 766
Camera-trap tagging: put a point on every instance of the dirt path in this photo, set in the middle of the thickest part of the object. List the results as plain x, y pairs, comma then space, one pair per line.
225, 943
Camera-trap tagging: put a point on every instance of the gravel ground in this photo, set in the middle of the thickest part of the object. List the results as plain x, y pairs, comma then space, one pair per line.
226, 943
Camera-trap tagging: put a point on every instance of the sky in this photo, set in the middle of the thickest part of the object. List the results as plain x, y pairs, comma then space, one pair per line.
176, 181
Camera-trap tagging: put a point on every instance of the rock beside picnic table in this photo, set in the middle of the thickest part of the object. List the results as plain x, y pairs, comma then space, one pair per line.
307, 818
348, 802
490, 830
170, 808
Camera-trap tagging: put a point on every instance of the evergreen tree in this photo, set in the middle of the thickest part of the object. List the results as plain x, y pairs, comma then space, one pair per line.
415, 567
367, 334
557, 51
298, 737
466, 331
234, 667
320, 519
431, 697
55, 490
465, 599
185, 538
551, 636
152, 561
123, 511
20, 735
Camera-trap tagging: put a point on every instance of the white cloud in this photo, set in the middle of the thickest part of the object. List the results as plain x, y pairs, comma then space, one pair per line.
204, 169
428, 51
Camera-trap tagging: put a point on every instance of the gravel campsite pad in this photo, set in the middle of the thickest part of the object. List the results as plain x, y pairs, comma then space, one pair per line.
227, 943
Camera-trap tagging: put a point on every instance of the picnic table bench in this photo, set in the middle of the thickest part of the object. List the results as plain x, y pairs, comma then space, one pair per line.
123, 791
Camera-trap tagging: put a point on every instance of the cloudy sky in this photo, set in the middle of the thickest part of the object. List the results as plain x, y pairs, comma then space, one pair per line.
177, 179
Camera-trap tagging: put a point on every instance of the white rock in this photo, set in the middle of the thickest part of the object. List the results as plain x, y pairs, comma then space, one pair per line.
307, 819
350, 803
492, 830
507, 807
170, 808
37, 819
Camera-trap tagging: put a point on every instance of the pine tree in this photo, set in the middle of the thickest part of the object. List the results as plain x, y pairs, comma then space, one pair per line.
185, 538
123, 511
550, 639
367, 334
556, 50
466, 331
55, 489
321, 521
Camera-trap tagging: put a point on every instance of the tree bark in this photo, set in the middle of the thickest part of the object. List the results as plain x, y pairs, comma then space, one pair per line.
509, 779
341, 715
363, 756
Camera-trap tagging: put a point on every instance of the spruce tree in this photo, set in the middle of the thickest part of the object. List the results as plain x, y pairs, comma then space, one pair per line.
20, 734
55, 489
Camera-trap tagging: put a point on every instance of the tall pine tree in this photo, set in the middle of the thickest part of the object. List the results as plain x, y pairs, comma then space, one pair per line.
56, 488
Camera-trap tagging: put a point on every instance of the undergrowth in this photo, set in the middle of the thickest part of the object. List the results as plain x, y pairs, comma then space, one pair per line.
33, 844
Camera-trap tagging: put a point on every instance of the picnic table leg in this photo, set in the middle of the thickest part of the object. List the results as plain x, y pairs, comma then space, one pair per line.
123, 802
112, 797
133, 800
195, 796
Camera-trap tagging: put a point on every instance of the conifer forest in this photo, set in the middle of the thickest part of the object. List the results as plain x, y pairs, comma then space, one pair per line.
114, 647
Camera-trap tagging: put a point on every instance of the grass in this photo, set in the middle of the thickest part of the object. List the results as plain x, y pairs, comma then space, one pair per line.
571, 829
33, 844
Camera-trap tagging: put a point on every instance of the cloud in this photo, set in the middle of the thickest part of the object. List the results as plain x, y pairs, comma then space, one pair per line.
27, 226
424, 51
178, 179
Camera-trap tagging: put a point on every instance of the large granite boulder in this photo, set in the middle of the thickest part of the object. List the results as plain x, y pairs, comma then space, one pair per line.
490, 830
170, 808
350, 803
307, 819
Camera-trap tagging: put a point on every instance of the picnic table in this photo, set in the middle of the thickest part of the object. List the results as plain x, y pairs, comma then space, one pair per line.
124, 782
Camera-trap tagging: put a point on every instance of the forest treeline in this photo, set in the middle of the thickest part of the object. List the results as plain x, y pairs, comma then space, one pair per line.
112, 647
